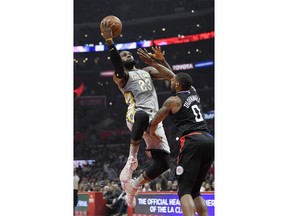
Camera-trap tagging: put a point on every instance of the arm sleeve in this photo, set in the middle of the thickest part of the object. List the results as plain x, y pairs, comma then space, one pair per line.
116, 61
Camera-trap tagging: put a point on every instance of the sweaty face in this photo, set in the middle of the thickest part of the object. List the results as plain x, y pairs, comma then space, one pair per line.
127, 59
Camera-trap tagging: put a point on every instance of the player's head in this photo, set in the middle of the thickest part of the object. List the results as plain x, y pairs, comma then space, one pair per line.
181, 82
127, 59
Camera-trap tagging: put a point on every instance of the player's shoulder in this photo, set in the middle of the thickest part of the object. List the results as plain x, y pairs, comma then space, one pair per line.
152, 71
149, 69
121, 82
173, 100
192, 89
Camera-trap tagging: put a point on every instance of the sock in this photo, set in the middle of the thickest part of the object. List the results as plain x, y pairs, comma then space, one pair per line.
141, 180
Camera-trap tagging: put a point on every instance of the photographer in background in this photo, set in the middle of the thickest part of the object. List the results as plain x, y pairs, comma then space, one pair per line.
76, 187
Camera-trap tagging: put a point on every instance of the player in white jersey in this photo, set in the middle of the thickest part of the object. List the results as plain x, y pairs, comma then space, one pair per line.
140, 96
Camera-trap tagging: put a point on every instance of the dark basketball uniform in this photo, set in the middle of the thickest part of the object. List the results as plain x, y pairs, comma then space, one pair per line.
196, 144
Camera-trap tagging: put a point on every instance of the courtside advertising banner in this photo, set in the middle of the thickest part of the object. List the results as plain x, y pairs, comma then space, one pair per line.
82, 205
165, 204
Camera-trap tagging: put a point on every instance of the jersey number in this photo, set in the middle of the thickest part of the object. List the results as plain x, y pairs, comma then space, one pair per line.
145, 85
197, 113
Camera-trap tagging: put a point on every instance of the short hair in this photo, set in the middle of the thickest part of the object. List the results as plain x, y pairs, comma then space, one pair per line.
185, 80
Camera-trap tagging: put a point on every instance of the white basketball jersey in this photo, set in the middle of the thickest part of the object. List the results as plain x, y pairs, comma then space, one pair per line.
140, 94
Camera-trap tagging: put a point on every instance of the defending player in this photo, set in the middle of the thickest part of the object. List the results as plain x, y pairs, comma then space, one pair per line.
139, 92
196, 144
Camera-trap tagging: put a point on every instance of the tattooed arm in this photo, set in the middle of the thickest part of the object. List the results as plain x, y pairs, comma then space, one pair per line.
172, 104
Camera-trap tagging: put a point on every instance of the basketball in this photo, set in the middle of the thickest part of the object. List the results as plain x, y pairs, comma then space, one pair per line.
117, 28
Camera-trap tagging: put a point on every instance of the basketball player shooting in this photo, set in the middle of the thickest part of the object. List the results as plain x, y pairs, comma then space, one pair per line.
140, 96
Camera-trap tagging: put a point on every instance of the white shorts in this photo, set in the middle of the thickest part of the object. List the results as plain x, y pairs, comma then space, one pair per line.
151, 142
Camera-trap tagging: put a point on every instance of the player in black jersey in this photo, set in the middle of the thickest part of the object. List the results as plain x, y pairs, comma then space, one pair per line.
196, 144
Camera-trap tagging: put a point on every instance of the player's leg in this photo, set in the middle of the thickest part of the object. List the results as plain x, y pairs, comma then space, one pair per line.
187, 205
160, 163
201, 206
206, 147
199, 202
185, 184
159, 151
186, 172
141, 122
153, 143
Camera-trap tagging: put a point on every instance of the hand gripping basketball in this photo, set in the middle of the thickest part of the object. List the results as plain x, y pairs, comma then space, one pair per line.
111, 23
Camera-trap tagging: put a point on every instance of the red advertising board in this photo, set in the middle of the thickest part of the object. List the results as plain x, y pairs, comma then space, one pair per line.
90, 204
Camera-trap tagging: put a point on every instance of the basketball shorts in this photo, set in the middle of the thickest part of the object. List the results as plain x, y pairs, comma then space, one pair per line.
151, 142
195, 158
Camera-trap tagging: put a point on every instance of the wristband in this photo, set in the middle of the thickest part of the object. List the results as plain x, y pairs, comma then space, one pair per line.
109, 39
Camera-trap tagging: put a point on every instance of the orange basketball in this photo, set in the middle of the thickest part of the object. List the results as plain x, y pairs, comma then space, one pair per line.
117, 28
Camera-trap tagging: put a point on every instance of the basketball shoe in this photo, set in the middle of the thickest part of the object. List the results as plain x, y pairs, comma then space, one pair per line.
130, 193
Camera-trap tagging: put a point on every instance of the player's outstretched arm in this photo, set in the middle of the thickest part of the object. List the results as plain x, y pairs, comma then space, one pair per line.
120, 76
172, 104
161, 72
159, 55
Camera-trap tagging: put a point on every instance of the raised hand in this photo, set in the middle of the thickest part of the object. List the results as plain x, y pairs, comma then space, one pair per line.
158, 54
144, 56
106, 29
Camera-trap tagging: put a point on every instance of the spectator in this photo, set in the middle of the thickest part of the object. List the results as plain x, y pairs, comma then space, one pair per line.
163, 181
158, 186
207, 186
146, 187
107, 193
76, 187
202, 189
120, 206
169, 186
111, 174
175, 185
213, 185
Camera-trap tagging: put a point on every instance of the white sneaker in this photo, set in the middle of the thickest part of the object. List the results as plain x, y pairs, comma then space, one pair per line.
131, 165
130, 193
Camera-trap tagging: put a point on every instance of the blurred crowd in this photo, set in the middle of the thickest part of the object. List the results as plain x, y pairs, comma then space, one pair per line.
97, 177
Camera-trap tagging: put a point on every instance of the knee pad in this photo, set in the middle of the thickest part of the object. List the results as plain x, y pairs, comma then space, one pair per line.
141, 122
